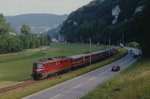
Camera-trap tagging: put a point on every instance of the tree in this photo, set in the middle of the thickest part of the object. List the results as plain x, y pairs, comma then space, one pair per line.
143, 30
15, 43
4, 27
25, 29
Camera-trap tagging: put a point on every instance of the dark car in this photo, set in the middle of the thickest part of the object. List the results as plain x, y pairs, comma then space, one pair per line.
135, 54
131, 51
115, 68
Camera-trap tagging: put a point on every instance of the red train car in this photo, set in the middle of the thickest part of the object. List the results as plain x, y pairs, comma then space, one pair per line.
45, 67
78, 60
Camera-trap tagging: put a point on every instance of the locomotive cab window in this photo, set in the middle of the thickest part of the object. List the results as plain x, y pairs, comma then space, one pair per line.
61, 62
34, 65
40, 65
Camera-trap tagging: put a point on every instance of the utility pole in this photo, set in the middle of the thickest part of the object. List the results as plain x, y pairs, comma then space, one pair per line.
90, 54
81, 42
109, 41
43, 41
122, 38
105, 40
47, 40
90, 51
109, 46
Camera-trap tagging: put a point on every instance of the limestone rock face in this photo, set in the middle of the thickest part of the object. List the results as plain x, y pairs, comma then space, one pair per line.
115, 12
139, 9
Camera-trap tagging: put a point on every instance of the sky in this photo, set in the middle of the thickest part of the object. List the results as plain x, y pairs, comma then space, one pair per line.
59, 7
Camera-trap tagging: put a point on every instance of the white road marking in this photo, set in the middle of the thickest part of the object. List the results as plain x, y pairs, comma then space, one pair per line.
76, 86
55, 96
91, 78
103, 73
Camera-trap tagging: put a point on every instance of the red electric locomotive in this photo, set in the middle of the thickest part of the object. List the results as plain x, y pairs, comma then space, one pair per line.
45, 67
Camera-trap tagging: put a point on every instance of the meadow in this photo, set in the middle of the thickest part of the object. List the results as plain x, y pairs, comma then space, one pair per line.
33, 88
15, 68
132, 83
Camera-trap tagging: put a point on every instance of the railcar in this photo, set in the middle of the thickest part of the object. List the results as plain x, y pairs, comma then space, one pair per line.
79, 60
45, 67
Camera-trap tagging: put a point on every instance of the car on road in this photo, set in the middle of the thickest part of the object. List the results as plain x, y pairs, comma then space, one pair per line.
136, 54
131, 51
115, 68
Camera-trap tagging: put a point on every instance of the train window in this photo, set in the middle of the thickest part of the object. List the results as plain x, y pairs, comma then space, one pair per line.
40, 65
61, 62
51, 64
56, 63
65, 61
34, 65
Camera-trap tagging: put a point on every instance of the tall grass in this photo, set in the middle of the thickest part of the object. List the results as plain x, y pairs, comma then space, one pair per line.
132, 83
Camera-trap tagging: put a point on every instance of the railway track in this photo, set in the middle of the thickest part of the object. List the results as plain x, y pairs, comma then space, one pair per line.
16, 86
27, 83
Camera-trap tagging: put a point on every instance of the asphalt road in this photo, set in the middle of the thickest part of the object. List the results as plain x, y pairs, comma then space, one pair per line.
77, 87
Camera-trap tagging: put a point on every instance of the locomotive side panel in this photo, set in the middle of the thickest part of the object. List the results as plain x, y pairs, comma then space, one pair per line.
57, 66
50, 68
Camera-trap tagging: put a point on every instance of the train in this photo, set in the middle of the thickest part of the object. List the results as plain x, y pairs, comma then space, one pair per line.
49, 66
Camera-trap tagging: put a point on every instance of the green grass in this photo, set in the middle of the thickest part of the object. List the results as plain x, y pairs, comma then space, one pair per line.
132, 83
133, 44
15, 68
21, 92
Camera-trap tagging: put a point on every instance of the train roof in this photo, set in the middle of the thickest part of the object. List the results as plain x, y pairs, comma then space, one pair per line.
45, 60
53, 59
87, 54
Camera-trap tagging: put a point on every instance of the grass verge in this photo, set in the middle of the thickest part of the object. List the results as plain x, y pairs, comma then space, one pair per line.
22, 92
132, 83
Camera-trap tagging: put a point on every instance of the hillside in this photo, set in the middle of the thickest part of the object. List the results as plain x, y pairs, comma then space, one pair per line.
101, 20
38, 22
53, 33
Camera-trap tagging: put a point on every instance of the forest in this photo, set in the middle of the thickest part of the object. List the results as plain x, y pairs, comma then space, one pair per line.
98, 21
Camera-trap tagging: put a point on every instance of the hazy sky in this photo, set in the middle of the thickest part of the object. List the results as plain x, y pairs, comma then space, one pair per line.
16, 7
